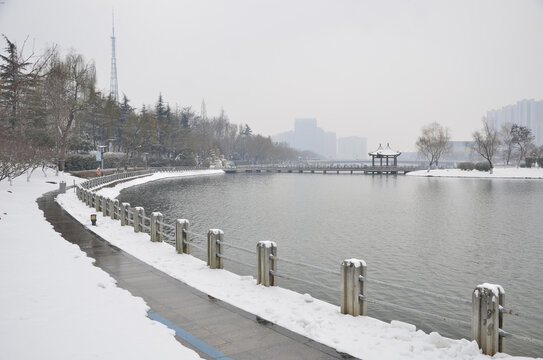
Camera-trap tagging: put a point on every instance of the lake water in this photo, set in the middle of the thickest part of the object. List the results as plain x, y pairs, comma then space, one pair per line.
441, 235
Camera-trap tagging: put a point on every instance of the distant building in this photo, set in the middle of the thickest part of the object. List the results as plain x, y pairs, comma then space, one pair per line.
461, 151
352, 148
307, 136
527, 113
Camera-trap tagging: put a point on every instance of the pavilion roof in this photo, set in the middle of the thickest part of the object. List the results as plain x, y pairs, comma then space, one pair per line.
380, 152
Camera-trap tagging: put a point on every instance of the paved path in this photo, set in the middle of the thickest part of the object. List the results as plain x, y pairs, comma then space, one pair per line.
212, 328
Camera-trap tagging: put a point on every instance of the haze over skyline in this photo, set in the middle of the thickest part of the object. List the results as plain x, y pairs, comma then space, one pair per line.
379, 70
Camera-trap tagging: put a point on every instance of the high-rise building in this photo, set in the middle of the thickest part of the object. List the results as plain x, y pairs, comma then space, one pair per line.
527, 113
307, 136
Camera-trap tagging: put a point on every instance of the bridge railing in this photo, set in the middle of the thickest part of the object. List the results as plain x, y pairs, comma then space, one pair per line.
354, 285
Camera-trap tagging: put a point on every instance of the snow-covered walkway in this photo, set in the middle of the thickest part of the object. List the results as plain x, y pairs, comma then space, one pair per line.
54, 304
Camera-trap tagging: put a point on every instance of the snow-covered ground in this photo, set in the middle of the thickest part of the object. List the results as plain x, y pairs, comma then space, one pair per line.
363, 337
498, 173
54, 304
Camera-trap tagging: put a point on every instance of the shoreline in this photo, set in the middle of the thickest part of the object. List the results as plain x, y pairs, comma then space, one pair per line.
508, 173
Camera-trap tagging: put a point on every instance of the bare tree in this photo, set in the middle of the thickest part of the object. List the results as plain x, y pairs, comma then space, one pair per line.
507, 142
66, 89
433, 143
522, 138
19, 154
486, 142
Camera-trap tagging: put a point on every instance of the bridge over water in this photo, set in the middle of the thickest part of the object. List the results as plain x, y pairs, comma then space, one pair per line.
325, 169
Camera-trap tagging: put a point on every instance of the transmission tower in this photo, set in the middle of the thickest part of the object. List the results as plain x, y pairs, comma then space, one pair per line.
113, 85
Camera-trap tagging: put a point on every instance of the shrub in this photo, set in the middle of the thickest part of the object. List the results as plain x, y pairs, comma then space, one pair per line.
466, 166
78, 162
532, 161
482, 166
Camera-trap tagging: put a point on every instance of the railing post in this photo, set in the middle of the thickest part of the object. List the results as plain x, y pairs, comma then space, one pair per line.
156, 227
353, 287
486, 318
114, 208
104, 205
266, 263
181, 238
124, 213
139, 213
214, 237
97, 202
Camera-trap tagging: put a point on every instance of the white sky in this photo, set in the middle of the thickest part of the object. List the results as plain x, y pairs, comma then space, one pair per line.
379, 69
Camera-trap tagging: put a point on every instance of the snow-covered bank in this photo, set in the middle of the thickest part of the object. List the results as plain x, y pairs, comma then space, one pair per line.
54, 303
498, 173
363, 337
113, 192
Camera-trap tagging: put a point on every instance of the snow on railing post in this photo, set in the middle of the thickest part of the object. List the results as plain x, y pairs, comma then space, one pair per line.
156, 228
487, 320
181, 238
124, 213
214, 237
139, 213
105, 203
266, 252
353, 287
113, 208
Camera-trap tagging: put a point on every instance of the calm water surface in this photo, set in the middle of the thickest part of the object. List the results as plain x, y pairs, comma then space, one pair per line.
442, 235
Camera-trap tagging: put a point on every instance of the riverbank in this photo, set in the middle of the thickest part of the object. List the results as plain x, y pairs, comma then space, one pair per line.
55, 303
498, 173
363, 337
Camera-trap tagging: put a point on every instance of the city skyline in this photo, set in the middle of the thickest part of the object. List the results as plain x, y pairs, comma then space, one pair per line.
307, 136
526, 112
380, 70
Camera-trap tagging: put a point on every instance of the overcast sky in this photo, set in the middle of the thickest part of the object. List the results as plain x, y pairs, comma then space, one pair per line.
379, 69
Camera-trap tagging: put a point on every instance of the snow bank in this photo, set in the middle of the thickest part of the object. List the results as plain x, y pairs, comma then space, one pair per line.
113, 192
498, 173
55, 303
363, 337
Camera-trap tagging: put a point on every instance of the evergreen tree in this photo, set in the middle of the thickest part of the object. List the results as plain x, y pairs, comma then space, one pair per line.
14, 78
